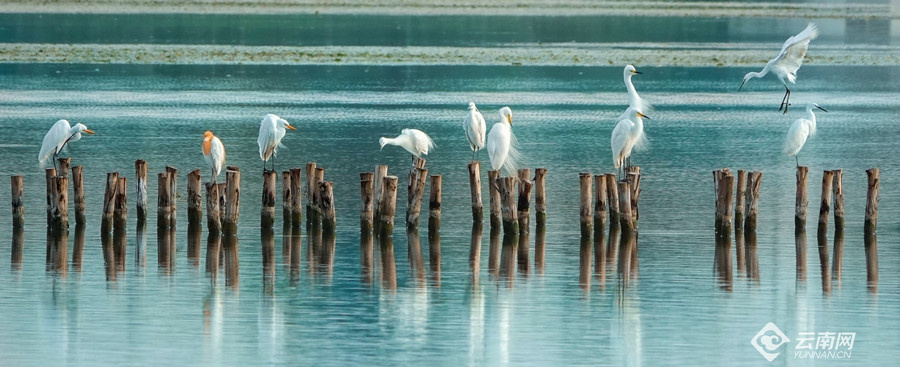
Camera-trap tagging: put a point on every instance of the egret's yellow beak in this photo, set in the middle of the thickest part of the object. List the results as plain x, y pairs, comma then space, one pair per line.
636, 72
643, 115
89, 131
290, 127
509, 119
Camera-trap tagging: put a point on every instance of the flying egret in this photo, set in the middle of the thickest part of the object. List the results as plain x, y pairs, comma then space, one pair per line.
214, 153
414, 141
799, 131
60, 134
788, 61
271, 130
501, 143
475, 129
627, 133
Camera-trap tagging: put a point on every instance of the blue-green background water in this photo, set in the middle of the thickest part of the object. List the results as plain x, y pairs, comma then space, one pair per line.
676, 311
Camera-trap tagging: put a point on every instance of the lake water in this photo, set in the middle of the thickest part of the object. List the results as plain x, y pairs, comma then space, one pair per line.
673, 310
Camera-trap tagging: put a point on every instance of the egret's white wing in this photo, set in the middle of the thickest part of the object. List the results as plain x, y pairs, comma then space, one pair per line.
216, 156
794, 50
796, 137
422, 141
266, 139
618, 142
475, 129
498, 142
54, 139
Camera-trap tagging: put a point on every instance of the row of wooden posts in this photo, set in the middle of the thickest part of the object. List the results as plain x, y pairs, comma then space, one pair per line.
737, 203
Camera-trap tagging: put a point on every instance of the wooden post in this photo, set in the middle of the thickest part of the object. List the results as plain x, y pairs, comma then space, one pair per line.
232, 200
507, 188
63, 167
585, 181
173, 191
724, 182
870, 227
121, 204
523, 213
540, 194
49, 174
434, 200
267, 213
417, 163
837, 193
475, 189
600, 202
633, 175
59, 205
194, 197
380, 171
213, 216
326, 203
739, 201
222, 192
367, 192
825, 204
286, 197
78, 191
109, 200
754, 179
494, 197
625, 216
18, 206
163, 207
802, 202
297, 183
388, 205
871, 222
612, 195
416, 192
311, 188
140, 182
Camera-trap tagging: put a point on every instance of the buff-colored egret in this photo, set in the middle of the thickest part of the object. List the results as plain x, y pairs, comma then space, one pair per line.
475, 129
800, 130
501, 144
627, 134
788, 61
60, 134
414, 141
271, 130
214, 153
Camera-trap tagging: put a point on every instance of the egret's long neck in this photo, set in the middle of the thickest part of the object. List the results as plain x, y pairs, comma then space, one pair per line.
812, 121
633, 97
763, 72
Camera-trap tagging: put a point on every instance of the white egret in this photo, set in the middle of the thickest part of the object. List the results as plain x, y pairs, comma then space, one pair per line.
60, 134
800, 130
414, 141
475, 129
271, 130
214, 153
634, 100
627, 133
788, 61
501, 144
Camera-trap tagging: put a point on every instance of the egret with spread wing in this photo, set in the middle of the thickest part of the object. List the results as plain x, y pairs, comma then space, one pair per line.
60, 134
800, 130
475, 129
271, 131
786, 64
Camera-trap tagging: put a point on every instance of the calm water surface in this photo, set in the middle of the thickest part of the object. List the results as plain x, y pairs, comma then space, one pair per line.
674, 310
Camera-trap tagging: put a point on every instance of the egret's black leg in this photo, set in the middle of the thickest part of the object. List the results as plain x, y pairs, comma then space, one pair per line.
797, 157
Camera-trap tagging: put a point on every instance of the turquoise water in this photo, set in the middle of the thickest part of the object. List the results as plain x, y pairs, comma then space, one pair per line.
674, 310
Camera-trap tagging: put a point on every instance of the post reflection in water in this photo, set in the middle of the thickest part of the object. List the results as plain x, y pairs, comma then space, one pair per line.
540, 243
286, 234
120, 247
508, 254
314, 249
388, 264
232, 263
18, 242
326, 258
78, 247
627, 267
739, 249
612, 245
836, 262
194, 242
58, 251
750, 256
600, 253
296, 252
367, 256
213, 252
414, 252
722, 265
109, 254
475, 251
434, 250
140, 248
165, 245
494, 251
267, 238
824, 265
213, 323
584, 263
800, 244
